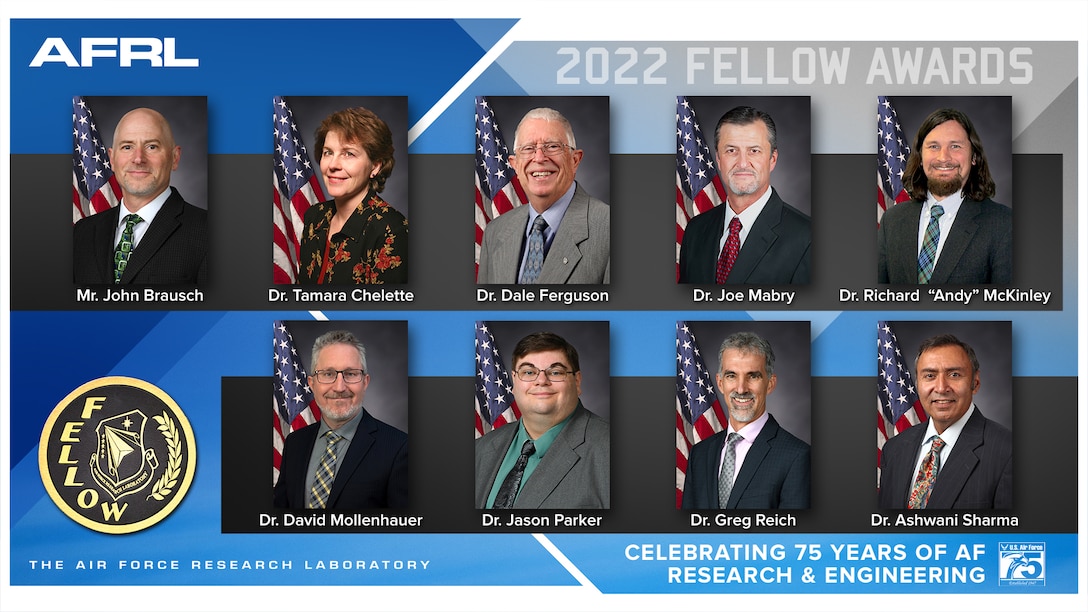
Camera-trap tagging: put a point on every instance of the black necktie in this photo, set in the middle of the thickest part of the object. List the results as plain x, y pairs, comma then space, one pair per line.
508, 492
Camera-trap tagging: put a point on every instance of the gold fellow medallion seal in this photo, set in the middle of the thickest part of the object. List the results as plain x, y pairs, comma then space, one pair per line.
117, 455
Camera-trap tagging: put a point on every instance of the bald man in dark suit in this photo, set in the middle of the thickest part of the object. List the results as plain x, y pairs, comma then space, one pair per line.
153, 236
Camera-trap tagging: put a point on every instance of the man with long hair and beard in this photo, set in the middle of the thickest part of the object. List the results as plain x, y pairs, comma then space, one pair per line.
950, 232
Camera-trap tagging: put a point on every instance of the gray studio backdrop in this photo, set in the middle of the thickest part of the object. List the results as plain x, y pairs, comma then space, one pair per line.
588, 118
791, 400
386, 345
992, 341
792, 115
992, 118
590, 339
188, 118
310, 111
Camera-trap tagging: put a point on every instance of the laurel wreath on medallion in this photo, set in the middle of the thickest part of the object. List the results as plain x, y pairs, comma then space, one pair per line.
164, 486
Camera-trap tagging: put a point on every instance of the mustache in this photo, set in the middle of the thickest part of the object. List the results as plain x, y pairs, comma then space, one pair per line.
338, 395
742, 396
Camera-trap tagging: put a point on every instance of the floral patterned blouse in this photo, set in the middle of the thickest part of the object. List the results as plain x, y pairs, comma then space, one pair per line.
371, 248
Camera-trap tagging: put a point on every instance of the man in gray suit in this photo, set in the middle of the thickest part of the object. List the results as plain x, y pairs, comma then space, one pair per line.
562, 236
754, 464
557, 455
957, 459
950, 232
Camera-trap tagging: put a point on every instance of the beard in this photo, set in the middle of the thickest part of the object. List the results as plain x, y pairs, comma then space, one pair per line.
738, 189
742, 415
945, 188
334, 412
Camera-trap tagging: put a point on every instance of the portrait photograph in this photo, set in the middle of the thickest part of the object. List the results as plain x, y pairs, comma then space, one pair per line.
752, 378
542, 415
751, 153
956, 395
562, 172
140, 190
354, 188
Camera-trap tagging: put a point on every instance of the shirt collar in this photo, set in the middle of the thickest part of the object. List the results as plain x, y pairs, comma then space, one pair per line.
952, 432
554, 214
148, 211
748, 215
347, 430
544, 442
751, 430
951, 205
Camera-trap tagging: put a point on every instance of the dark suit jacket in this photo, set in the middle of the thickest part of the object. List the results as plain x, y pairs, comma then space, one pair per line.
373, 474
579, 255
776, 473
978, 249
977, 473
777, 251
174, 251
573, 474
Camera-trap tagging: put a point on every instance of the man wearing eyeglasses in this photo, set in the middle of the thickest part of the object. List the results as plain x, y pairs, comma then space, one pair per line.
557, 455
562, 237
348, 460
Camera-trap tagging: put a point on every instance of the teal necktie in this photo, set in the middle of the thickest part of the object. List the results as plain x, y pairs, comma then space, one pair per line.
928, 255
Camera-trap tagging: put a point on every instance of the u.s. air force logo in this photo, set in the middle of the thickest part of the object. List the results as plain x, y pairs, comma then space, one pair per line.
117, 455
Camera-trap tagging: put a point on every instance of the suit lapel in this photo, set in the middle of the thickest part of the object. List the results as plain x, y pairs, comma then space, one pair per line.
104, 234
561, 458
760, 239
360, 445
961, 462
760, 447
706, 256
165, 224
508, 253
298, 468
903, 475
565, 252
492, 452
959, 237
903, 245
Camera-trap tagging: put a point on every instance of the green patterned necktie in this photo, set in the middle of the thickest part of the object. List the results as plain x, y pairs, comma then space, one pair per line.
326, 472
124, 248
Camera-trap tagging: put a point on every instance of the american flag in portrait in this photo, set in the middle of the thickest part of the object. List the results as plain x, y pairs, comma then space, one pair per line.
295, 188
495, 405
699, 414
698, 186
94, 187
893, 151
498, 190
897, 405
293, 405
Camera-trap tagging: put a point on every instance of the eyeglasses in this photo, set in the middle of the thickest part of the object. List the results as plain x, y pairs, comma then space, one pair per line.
328, 377
551, 149
530, 374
